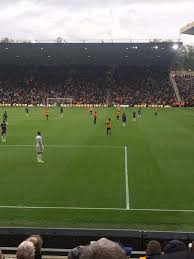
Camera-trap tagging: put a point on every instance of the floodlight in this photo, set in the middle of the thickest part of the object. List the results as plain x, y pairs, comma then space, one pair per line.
175, 46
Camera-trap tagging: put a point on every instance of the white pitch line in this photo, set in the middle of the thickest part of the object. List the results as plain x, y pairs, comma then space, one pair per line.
163, 210
85, 208
62, 146
60, 208
126, 181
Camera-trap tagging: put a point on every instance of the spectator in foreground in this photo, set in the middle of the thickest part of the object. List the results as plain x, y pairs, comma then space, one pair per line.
101, 249
153, 250
25, 250
176, 249
175, 246
191, 248
75, 252
37, 242
1, 255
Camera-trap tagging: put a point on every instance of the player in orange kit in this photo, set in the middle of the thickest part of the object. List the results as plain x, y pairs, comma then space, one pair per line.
95, 117
108, 127
46, 110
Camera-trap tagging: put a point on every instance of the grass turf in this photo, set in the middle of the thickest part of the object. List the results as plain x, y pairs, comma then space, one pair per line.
160, 169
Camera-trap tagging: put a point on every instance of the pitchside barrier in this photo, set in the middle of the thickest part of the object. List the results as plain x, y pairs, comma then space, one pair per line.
59, 241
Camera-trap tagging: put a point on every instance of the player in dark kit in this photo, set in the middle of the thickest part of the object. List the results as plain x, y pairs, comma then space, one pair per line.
124, 119
91, 110
139, 113
27, 111
134, 116
118, 113
5, 116
3, 131
61, 112
155, 112
95, 117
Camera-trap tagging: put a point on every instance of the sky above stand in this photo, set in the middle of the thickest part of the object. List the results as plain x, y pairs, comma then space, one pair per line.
90, 20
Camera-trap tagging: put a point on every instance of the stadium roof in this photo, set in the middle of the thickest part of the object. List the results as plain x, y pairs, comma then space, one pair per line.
136, 54
188, 29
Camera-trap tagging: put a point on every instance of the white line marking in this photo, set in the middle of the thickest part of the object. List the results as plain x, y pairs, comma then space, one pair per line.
126, 182
59, 208
163, 210
62, 208
62, 146
84, 208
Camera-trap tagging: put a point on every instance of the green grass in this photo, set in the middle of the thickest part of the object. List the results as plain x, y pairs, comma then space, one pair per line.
160, 169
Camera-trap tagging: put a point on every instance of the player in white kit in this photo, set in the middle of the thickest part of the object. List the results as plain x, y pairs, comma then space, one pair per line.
39, 148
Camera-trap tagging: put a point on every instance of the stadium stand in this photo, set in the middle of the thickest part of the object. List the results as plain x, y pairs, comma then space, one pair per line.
129, 85
133, 87
123, 73
185, 84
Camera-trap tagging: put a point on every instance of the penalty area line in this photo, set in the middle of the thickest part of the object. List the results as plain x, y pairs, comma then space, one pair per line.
60, 208
62, 146
126, 181
163, 210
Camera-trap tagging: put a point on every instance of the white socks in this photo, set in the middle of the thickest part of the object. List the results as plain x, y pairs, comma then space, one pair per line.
3, 139
39, 158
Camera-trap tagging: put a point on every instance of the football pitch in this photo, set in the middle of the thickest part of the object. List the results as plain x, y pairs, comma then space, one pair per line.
142, 177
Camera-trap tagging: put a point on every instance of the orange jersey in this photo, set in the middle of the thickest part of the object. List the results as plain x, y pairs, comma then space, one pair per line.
108, 124
95, 114
46, 111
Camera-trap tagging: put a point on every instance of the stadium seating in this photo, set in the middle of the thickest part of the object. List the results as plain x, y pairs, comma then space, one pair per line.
132, 86
185, 84
86, 85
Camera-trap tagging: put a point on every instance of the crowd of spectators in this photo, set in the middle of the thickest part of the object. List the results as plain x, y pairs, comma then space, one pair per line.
185, 85
142, 87
94, 85
31, 248
106, 249
34, 87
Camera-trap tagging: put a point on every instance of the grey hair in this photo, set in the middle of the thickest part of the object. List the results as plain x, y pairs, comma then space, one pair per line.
25, 250
103, 249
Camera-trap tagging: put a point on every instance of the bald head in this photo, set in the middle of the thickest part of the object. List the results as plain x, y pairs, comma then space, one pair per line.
25, 250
